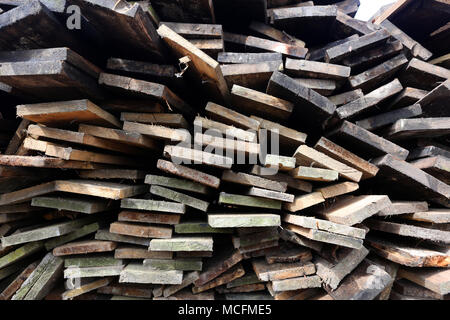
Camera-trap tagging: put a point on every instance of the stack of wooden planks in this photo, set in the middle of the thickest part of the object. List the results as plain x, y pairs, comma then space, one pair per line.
238, 150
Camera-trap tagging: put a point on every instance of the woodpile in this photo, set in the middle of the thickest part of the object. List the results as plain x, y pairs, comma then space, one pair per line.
226, 149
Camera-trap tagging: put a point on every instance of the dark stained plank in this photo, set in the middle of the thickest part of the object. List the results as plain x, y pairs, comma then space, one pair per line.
315, 107
365, 142
260, 44
387, 118
126, 27
406, 175
377, 75
421, 127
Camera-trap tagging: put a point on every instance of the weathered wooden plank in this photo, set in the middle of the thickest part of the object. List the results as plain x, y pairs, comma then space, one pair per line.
314, 174
217, 265
125, 137
127, 290
338, 189
275, 34
304, 201
318, 54
247, 58
436, 280
258, 44
50, 273
288, 253
437, 166
91, 261
308, 156
140, 88
126, 28
416, 49
139, 230
179, 197
104, 234
149, 217
292, 237
423, 75
229, 146
324, 87
188, 173
182, 244
136, 273
189, 156
159, 73
252, 220
287, 137
325, 225
174, 264
425, 186
229, 131
384, 119
354, 210
282, 163
315, 107
108, 174
291, 181
372, 57
409, 290
57, 113
364, 283
39, 14
426, 151
198, 227
176, 183
135, 252
252, 180
433, 101
153, 205
20, 253
258, 103
230, 117
195, 30
76, 234
15, 285
93, 285
252, 75
346, 97
269, 194
407, 230
423, 127
280, 271
228, 276
248, 201
84, 205
433, 216
81, 138
171, 120
350, 48
346, 260
346, 26
365, 141
201, 65
402, 207
327, 237
319, 17
312, 281
314, 69
84, 247
88, 272
369, 101
46, 232
408, 255
188, 279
